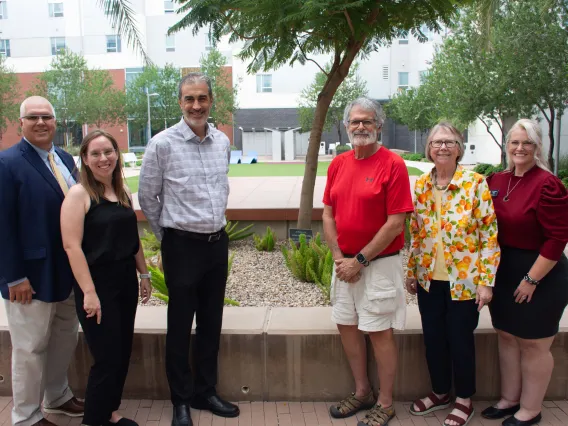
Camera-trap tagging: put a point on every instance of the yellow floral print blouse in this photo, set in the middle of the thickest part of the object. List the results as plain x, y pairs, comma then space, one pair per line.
469, 233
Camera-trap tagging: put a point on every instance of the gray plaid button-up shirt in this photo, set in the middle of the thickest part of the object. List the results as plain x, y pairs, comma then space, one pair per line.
183, 181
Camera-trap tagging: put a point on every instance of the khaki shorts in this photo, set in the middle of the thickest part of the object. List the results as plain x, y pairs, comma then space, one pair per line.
374, 303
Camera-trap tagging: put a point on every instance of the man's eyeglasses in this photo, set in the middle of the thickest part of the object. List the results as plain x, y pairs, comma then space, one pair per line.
35, 118
107, 153
438, 144
366, 123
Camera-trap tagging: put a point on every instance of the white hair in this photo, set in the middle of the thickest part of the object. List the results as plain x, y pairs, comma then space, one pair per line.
368, 105
34, 98
534, 132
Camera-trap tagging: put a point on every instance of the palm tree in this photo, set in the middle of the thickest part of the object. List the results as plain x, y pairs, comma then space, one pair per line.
122, 16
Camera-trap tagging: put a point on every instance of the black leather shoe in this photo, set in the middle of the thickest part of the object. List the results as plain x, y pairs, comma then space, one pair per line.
181, 416
513, 421
494, 413
216, 405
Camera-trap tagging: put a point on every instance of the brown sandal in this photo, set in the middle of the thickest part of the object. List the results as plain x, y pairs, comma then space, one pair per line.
468, 411
439, 404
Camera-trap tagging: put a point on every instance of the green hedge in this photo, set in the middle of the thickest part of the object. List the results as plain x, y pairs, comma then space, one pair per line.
340, 149
565, 182
413, 156
487, 169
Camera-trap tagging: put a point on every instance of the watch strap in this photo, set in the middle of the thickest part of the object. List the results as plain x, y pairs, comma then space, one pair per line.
148, 275
530, 280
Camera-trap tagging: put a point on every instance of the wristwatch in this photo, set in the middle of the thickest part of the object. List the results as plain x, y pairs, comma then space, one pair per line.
528, 279
362, 259
148, 275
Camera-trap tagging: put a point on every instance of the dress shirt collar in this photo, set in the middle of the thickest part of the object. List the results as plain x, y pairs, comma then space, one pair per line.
42, 152
189, 135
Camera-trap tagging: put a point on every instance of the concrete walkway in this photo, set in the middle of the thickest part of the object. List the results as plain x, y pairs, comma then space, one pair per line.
159, 413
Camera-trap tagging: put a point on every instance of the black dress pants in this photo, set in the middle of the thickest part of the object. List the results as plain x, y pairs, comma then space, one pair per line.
196, 275
110, 342
448, 328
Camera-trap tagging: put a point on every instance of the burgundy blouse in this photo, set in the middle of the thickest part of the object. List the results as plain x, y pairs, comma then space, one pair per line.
536, 215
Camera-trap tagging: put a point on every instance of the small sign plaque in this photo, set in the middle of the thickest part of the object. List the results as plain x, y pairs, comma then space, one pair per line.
294, 234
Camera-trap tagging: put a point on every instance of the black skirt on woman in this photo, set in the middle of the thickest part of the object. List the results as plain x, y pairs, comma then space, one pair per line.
540, 317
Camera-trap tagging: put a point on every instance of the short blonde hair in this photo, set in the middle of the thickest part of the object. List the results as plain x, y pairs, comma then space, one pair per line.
450, 127
534, 133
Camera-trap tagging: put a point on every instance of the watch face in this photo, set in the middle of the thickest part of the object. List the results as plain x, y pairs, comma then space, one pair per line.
360, 258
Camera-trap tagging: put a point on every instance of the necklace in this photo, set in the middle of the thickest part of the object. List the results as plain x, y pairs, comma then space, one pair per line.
506, 197
440, 187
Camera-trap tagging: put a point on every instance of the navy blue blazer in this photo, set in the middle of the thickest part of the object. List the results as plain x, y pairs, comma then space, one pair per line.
30, 232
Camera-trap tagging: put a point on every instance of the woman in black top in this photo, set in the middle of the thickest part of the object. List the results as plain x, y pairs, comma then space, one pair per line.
100, 236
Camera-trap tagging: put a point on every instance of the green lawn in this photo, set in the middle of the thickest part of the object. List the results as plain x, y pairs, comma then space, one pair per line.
267, 169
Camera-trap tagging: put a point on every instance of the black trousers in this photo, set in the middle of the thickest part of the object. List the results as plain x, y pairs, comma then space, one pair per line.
196, 275
110, 342
448, 327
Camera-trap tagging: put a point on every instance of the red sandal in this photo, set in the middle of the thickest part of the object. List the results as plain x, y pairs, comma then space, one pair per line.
439, 404
468, 411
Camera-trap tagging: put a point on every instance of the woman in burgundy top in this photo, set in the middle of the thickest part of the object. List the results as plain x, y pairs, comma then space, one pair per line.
531, 287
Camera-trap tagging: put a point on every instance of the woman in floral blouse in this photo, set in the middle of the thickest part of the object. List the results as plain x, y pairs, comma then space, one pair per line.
454, 257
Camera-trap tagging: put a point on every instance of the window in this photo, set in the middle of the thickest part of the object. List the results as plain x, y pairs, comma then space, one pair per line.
170, 43
428, 33
55, 10
385, 72
403, 40
423, 75
402, 81
3, 10
168, 6
113, 44
57, 45
263, 83
5, 47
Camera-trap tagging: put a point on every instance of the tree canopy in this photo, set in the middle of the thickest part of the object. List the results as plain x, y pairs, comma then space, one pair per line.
9, 95
79, 94
521, 73
162, 85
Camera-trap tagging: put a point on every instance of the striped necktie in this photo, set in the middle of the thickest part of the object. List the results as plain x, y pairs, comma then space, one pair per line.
57, 173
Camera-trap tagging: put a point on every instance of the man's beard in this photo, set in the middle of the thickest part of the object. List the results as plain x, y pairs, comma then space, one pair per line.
362, 138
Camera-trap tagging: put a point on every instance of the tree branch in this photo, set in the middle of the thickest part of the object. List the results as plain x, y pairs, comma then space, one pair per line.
543, 113
349, 22
228, 21
490, 132
309, 59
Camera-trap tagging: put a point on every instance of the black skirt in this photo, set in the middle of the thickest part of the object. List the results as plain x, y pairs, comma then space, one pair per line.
539, 318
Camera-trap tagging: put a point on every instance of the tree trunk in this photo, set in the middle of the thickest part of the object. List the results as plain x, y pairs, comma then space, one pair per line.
337, 74
339, 132
551, 138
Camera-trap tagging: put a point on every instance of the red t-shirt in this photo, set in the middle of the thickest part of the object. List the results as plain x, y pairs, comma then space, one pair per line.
362, 193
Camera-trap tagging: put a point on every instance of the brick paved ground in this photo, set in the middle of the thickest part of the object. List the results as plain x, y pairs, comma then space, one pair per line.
159, 413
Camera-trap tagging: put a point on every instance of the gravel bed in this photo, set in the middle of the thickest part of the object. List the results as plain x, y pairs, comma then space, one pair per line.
262, 279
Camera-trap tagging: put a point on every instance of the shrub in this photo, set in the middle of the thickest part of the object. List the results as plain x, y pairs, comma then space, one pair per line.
562, 174
238, 234
138, 163
340, 149
266, 242
310, 262
565, 182
413, 156
233, 148
72, 149
150, 244
487, 169
161, 290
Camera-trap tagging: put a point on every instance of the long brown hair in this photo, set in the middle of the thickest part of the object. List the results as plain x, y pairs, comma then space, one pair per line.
94, 188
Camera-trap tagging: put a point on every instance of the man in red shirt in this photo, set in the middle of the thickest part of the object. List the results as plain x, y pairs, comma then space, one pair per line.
366, 199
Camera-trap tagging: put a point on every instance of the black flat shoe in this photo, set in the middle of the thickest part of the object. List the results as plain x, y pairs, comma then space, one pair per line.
513, 421
181, 416
494, 413
216, 405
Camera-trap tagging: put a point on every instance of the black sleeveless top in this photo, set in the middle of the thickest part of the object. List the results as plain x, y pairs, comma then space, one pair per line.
110, 233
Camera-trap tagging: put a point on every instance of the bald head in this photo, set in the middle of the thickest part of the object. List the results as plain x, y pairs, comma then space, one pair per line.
37, 119
35, 100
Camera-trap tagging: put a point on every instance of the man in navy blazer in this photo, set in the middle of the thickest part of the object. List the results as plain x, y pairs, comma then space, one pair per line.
35, 276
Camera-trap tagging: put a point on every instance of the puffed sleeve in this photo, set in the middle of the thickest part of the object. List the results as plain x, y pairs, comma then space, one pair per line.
552, 214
